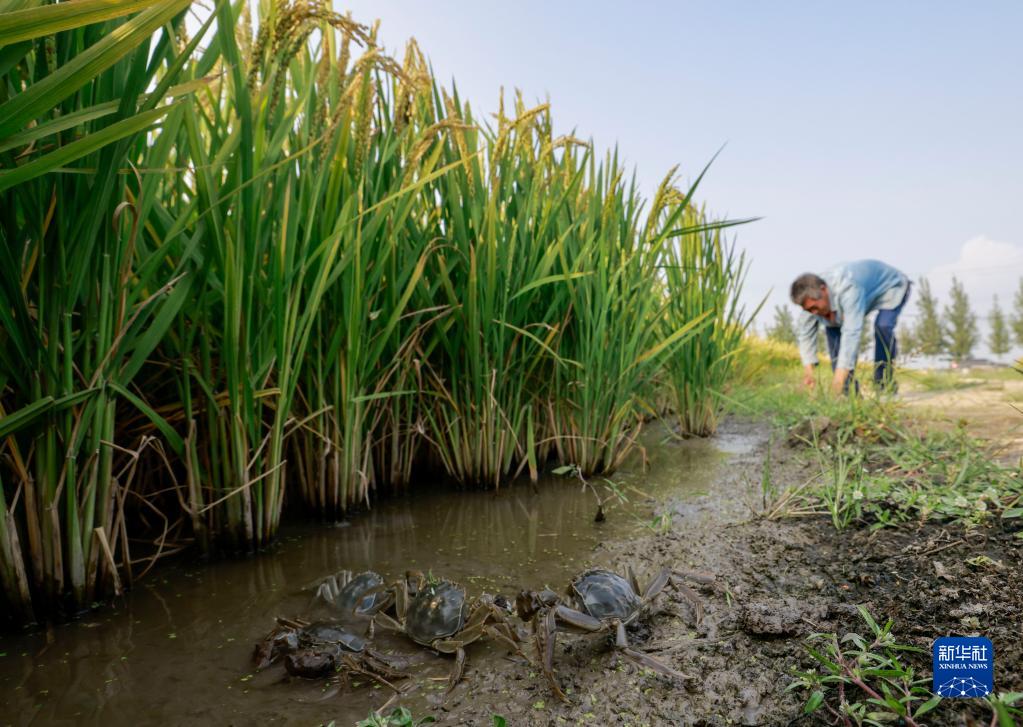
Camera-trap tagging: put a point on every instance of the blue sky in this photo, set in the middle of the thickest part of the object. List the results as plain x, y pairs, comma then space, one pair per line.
868, 129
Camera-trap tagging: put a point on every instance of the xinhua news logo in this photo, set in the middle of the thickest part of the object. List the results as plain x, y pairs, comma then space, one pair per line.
963, 666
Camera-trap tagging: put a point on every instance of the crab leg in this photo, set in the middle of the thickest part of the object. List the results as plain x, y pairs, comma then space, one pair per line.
503, 633
501, 629
475, 627
651, 663
387, 622
351, 666
327, 591
656, 584
457, 669
546, 654
622, 643
701, 577
382, 665
575, 620
558, 618
690, 595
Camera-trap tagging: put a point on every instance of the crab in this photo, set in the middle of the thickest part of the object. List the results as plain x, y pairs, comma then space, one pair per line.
439, 615
598, 601
355, 595
313, 650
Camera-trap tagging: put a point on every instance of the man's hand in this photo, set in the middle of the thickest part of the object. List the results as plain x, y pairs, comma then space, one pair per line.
809, 377
838, 382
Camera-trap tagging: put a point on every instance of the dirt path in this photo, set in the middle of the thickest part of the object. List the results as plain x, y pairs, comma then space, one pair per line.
990, 407
775, 583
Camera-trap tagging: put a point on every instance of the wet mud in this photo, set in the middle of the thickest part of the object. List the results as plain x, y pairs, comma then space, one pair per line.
775, 583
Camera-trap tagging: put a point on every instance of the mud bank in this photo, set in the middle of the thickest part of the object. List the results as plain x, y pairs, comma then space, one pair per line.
775, 583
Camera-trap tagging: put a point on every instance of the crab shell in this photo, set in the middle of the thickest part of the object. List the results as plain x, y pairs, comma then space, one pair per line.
604, 595
320, 646
352, 597
437, 611
325, 633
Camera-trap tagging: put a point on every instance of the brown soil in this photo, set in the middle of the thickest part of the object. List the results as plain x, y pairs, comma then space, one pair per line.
989, 407
775, 583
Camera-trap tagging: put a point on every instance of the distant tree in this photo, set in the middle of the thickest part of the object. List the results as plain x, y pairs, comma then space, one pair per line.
906, 340
960, 323
998, 339
1016, 319
783, 329
929, 336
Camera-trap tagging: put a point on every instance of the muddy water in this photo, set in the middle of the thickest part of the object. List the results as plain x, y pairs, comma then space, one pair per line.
176, 650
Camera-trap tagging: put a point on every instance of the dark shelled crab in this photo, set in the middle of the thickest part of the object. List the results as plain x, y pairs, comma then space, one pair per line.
438, 614
598, 601
314, 650
350, 595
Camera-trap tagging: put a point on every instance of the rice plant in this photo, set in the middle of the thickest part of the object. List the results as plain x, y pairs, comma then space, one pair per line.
703, 276
360, 385
501, 270
82, 302
271, 267
619, 335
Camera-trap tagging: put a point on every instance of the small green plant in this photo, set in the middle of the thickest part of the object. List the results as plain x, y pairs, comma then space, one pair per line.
661, 522
613, 491
840, 492
1004, 708
400, 717
768, 490
864, 682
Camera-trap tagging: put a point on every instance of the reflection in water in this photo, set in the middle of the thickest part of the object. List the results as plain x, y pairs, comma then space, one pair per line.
176, 650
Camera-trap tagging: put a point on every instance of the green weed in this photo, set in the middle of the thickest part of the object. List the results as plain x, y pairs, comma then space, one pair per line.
400, 717
864, 682
1004, 709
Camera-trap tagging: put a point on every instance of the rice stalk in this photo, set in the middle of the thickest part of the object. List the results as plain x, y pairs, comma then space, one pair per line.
83, 304
703, 276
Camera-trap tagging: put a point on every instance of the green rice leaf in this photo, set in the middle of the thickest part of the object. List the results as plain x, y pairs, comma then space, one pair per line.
36, 22
84, 146
172, 437
69, 77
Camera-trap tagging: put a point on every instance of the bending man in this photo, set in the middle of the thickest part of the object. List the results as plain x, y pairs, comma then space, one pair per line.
839, 300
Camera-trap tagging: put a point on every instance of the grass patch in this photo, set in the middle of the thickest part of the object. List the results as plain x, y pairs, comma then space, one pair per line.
933, 380
864, 680
878, 465
942, 380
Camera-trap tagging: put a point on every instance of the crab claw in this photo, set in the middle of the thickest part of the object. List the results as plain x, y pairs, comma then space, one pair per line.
281, 639
502, 602
309, 664
528, 603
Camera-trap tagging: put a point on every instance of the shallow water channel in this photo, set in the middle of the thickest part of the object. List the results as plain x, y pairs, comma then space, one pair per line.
177, 649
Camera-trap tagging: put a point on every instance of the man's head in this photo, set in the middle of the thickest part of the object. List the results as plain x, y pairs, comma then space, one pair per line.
810, 293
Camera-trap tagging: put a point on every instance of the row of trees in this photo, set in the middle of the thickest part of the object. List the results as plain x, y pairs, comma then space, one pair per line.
950, 330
